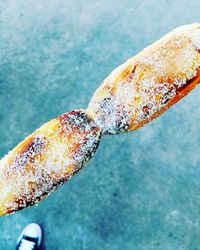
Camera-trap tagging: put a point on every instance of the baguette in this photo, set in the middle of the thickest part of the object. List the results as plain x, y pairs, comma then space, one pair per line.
46, 159
132, 95
149, 83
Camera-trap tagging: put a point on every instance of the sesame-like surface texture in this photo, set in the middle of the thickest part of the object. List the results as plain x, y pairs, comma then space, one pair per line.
46, 159
149, 83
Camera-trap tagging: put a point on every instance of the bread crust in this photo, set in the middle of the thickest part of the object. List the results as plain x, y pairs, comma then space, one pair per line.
149, 83
132, 95
46, 159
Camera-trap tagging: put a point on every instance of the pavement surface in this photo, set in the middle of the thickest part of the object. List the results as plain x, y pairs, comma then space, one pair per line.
141, 190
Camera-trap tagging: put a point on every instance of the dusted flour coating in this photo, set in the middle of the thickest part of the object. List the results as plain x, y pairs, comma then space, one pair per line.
46, 159
132, 95
149, 83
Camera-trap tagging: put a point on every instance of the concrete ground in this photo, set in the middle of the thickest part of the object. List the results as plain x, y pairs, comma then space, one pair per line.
141, 190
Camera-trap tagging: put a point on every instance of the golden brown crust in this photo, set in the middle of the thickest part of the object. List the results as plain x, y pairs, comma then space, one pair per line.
134, 94
46, 159
149, 83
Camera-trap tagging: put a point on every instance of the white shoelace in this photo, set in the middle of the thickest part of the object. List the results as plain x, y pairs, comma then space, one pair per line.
27, 245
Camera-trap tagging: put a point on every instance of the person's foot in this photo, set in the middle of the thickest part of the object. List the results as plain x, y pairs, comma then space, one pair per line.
30, 238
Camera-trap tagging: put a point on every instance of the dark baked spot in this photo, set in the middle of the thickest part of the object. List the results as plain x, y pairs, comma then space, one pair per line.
132, 72
77, 120
197, 49
145, 110
30, 150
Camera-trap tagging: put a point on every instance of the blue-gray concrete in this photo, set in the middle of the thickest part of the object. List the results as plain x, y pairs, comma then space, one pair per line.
141, 190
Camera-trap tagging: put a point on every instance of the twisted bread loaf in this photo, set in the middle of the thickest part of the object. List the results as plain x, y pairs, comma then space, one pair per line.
134, 94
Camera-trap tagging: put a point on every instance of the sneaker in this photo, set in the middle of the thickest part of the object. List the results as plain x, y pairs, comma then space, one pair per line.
30, 238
